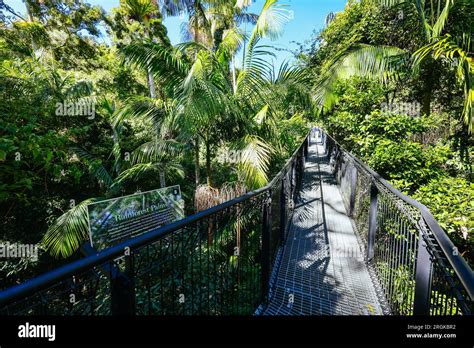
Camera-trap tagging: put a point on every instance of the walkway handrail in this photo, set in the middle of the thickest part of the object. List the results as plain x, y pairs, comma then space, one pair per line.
458, 263
41, 283
440, 239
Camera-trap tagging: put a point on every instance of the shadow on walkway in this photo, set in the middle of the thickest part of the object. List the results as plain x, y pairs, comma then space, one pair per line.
322, 269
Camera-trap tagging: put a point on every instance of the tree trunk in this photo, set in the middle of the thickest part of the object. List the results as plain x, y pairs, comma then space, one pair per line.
234, 79
151, 85
430, 77
208, 163
115, 138
426, 102
196, 162
464, 147
196, 23
149, 75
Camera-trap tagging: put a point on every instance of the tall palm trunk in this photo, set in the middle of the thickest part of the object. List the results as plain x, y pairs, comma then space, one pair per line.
115, 138
208, 163
151, 85
426, 102
196, 162
234, 79
430, 77
150, 80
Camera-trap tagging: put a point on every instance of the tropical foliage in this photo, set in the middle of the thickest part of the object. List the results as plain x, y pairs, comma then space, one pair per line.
155, 114
97, 105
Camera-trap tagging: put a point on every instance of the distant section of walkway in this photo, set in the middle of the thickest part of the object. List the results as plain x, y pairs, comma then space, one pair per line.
322, 269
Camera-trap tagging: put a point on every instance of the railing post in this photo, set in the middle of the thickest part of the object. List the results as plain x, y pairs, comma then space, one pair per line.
283, 210
123, 291
292, 179
265, 260
306, 147
372, 221
353, 190
302, 163
421, 305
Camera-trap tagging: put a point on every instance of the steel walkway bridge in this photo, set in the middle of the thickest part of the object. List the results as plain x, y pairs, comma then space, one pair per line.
322, 270
327, 236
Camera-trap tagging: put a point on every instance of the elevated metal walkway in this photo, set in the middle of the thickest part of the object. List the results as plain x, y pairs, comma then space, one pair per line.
322, 270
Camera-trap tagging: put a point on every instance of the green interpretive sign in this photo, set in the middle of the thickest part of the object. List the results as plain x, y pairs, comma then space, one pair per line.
115, 220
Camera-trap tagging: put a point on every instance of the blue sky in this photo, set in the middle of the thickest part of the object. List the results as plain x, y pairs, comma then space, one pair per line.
308, 15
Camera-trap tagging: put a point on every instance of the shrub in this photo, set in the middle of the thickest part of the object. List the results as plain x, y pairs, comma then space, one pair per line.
451, 200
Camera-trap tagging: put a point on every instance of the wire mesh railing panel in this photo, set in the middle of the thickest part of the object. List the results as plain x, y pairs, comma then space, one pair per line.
416, 265
86, 293
210, 267
447, 295
443, 297
395, 250
276, 222
354, 183
360, 212
345, 181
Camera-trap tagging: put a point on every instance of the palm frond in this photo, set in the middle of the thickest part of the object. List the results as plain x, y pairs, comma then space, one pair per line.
271, 21
442, 19
79, 90
241, 4
378, 62
133, 173
151, 110
174, 7
95, 166
246, 17
140, 9
254, 161
446, 48
136, 172
69, 231
169, 66
232, 41
156, 150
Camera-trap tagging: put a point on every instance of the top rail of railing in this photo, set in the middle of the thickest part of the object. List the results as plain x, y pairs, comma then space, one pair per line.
457, 262
48, 279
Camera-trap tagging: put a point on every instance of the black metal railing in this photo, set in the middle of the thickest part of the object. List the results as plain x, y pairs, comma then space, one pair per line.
413, 261
216, 262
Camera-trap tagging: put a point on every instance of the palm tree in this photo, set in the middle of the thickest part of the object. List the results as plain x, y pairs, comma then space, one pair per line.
198, 78
458, 56
143, 11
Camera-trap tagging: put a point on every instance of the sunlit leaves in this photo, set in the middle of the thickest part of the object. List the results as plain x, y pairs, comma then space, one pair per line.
69, 231
446, 48
378, 62
254, 161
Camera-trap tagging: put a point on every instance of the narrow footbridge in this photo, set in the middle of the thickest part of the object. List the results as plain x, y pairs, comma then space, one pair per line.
322, 268
327, 236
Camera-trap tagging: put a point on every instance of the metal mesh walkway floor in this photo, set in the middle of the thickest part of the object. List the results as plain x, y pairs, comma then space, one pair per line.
322, 269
